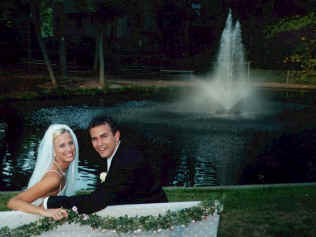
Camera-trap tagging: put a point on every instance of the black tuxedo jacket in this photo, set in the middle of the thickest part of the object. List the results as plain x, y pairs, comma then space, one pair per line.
130, 180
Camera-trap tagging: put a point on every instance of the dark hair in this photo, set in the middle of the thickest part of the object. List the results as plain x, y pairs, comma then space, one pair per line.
102, 120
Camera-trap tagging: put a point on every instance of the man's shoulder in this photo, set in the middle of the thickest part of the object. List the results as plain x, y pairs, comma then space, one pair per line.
130, 151
126, 148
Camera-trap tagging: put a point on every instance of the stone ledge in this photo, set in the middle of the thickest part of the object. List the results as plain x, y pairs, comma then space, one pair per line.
13, 219
204, 228
153, 209
207, 227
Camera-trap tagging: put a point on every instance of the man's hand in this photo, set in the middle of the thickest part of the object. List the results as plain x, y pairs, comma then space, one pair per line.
56, 213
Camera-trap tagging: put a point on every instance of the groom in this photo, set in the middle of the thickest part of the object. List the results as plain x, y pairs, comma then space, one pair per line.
128, 180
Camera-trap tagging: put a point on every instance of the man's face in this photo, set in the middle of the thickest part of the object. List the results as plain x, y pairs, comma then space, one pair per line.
103, 140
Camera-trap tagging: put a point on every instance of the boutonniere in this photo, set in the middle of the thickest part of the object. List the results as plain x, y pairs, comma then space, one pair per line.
103, 176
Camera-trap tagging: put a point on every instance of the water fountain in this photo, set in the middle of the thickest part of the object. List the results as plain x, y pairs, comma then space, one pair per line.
228, 85
230, 74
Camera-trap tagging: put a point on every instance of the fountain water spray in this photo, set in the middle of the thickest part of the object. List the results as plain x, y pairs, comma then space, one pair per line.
228, 85
231, 65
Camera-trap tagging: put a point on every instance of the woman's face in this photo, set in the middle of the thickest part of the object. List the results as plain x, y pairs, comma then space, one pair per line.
65, 149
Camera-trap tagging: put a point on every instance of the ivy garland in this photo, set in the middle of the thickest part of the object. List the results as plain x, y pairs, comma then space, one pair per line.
123, 224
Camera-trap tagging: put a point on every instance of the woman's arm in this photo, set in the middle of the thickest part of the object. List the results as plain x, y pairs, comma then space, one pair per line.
49, 185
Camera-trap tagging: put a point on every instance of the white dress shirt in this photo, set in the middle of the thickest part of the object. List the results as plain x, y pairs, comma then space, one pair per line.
109, 160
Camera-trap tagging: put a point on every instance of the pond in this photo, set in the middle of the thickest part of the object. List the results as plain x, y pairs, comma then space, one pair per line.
274, 142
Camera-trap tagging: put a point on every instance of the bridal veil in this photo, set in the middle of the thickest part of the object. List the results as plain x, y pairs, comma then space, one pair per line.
45, 157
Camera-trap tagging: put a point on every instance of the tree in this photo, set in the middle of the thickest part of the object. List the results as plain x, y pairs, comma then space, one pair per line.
36, 19
105, 13
300, 28
173, 20
14, 16
6, 18
60, 19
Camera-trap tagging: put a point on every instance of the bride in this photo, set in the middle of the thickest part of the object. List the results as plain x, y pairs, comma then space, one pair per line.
54, 174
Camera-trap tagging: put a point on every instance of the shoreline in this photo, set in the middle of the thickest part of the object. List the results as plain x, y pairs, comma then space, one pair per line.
93, 84
222, 187
29, 86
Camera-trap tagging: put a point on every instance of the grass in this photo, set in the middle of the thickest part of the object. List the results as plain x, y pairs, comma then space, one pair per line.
253, 211
266, 75
280, 76
268, 211
4, 197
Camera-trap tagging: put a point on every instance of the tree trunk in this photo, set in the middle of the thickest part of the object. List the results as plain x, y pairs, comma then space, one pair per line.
60, 32
187, 43
101, 57
37, 26
29, 45
96, 53
62, 58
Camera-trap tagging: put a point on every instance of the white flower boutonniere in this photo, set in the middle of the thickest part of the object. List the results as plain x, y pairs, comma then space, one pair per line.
103, 176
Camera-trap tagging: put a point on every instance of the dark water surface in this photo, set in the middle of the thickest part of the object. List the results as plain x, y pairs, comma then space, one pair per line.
272, 142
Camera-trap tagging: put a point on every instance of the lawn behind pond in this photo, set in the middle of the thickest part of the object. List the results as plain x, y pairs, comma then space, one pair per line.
260, 211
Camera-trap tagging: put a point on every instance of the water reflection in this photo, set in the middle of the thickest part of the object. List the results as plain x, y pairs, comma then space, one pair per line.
189, 148
18, 160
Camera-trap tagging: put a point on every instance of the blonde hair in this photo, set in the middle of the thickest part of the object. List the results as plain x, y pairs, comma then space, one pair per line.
59, 132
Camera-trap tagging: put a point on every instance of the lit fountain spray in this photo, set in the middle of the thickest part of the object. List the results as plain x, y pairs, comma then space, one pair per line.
230, 67
230, 81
